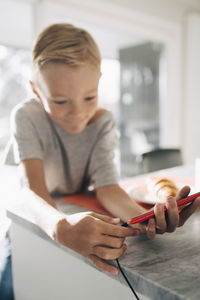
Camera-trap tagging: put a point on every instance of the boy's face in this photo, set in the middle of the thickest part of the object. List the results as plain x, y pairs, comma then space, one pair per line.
68, 94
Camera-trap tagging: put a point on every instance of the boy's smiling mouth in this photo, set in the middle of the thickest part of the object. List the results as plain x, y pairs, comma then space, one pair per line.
75, 119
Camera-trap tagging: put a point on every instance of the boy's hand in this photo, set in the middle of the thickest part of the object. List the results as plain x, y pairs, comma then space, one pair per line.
94, 236
174, 218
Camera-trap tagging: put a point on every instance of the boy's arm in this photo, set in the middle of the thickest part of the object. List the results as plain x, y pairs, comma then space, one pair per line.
34, 179
36, 197
118, 202
114, 199
92, 235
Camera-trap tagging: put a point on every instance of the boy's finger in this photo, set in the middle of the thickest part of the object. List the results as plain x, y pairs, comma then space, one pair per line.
109, 253
172, 213
105, 218
160, 217
183, 192
187, 211
118, 231
151, 228
100, 264
111, 241
114, 221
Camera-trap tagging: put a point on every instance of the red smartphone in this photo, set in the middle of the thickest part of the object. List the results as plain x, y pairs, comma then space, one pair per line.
150, 214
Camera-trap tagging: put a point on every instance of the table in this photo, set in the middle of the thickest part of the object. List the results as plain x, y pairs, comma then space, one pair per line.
166, 268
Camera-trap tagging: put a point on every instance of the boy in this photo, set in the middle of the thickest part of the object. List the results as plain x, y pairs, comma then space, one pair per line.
64, 143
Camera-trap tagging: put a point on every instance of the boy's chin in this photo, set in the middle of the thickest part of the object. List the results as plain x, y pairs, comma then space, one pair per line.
75, 129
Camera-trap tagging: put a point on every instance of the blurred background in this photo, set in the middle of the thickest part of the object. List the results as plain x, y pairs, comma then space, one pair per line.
150, 67
150, 75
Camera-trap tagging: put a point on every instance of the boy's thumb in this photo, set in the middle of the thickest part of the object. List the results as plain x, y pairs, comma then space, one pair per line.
114, 220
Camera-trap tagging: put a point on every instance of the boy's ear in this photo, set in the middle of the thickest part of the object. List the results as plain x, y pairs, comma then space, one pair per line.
34, 88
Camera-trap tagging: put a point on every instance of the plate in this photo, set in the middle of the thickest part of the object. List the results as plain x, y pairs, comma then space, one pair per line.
139, 193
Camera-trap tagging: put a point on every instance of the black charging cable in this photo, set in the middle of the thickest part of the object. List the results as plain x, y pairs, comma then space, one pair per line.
128, 282
124, 275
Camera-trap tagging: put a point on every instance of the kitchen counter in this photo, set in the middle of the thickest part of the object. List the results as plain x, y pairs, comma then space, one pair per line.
165, 268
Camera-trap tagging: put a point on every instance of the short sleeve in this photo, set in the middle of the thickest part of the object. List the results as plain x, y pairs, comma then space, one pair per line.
102, 170
24, 142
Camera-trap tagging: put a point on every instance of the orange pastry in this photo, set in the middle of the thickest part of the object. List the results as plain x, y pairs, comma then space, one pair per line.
161, 188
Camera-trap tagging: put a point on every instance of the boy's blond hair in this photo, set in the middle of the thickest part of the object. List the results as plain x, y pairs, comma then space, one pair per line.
67, 44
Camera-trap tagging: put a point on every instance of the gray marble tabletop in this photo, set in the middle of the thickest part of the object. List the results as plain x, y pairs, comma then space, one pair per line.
165, 268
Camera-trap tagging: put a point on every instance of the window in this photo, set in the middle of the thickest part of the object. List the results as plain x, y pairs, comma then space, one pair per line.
109, 87
15, 68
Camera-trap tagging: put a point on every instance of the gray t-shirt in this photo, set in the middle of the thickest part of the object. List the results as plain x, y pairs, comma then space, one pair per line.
71, 161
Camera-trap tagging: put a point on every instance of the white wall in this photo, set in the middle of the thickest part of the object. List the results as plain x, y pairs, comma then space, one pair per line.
191, 118
16, 23
97, 21
169, 11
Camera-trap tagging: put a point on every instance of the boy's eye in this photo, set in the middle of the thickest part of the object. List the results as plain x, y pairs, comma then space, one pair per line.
90, 98
60, 102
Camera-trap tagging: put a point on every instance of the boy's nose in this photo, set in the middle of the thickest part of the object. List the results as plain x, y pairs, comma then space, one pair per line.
76, 109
